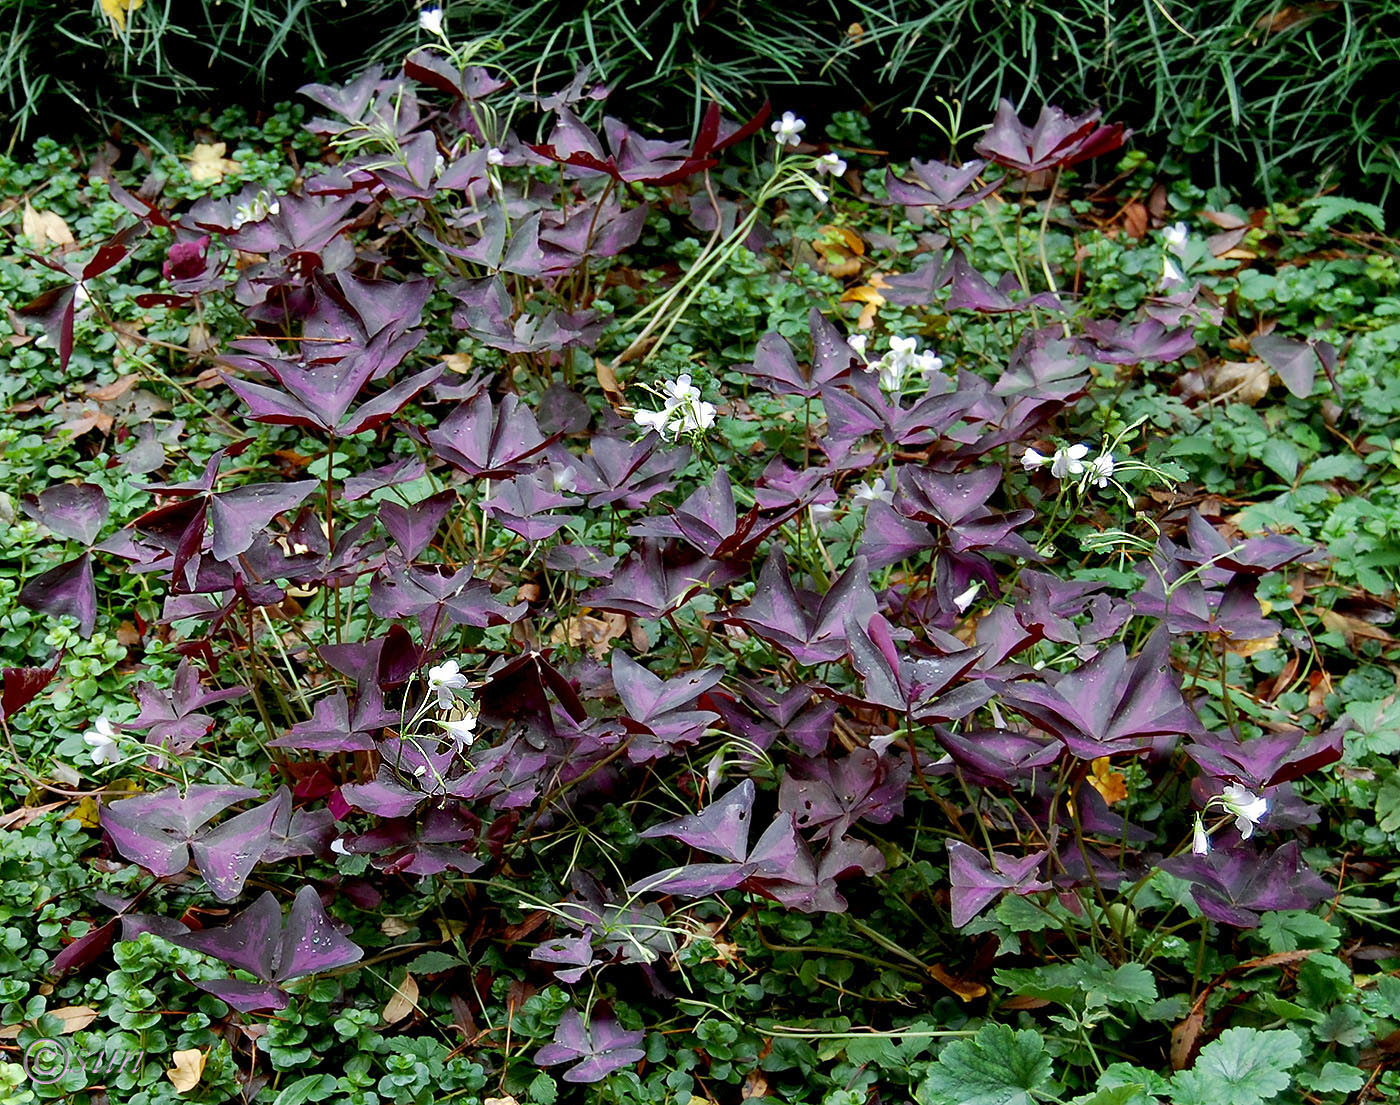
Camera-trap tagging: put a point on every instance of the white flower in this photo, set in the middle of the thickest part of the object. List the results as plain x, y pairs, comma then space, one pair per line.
653, 420
443, 680
681, 390
695, 418
430, 20
928, 365
818, 192
963, 601
1101, 470
873, 492
80, 294
338, 846
1171, 275
495, 157
830, 163
903, 349
1031, 460
857, 344
788, 129
1068, 462
891, 372
102, 739
255, 210
563, 476
894, 366
821, 513
1200, 839
1246, 807
1175, 237
462, 731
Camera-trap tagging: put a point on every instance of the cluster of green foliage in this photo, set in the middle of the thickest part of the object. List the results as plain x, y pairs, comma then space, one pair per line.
777, 1006
1267, 88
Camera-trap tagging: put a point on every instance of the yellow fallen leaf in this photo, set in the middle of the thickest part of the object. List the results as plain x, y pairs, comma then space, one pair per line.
44, 227
117, 11
841, 250
868, 295
1109, 783
208, 163
85, 813
189, 1066
402, 1002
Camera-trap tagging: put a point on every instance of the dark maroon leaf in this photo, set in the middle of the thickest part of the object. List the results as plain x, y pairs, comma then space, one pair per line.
485, 440
947, 187
75, 511
23, 685
1056, 141
596, 1049
1294, 361
414, 527
1234, 885
68, 590
1111, 704
812, 628
976, 882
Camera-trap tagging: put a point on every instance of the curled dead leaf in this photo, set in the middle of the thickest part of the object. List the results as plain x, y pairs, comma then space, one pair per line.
394, 926
965, 989
607, 380
594, 632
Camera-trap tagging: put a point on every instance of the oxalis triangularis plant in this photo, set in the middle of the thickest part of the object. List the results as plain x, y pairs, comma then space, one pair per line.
787, 674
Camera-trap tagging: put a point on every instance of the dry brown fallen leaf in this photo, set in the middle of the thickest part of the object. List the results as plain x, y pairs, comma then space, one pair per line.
188, 1068
115, 390
19, 818
607, 380
394, 926
208, 163
45, 228
74, 1017
402, 1002
1246, 381
597, 633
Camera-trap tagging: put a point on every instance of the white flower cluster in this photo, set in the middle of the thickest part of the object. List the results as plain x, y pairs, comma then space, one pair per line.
900, 362
1070, 462
683, 413
1241, 803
